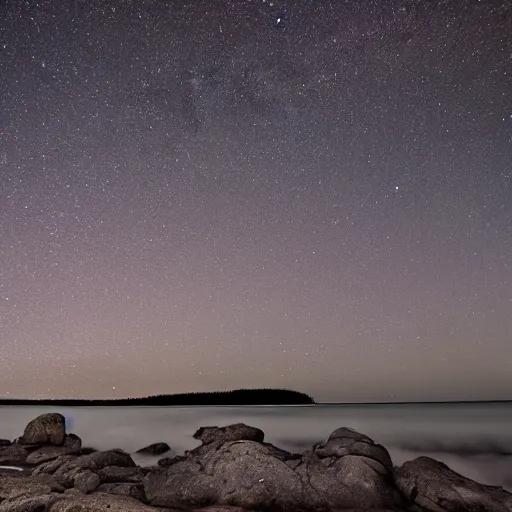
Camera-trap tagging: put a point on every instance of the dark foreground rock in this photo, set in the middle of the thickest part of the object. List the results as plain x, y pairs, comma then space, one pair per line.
434, 486
233, 470
47, 429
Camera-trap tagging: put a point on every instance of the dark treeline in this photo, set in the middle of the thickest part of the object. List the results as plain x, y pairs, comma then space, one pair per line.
235, 397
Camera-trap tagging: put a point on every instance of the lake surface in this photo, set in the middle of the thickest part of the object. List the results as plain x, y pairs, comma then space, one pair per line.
473, 439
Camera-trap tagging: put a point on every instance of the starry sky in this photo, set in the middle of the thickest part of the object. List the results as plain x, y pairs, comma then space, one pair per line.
200, 196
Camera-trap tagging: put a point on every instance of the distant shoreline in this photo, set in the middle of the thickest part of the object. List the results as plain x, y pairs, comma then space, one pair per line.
447, 402
238, 397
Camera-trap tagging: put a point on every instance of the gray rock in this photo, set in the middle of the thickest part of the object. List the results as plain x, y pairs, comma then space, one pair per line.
435, 487
221, 508
233, 471
68, 470
77, 471
72, 445
115, 474
235, 432
114, 457
49, 428
13, 454
241, 473
39, 503
346, 441
51, 466
252, 474
169, 461
12, 487
100, 502
86, 481
134, 490
155, 449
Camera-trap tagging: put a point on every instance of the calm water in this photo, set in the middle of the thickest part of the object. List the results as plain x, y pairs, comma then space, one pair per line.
475, 440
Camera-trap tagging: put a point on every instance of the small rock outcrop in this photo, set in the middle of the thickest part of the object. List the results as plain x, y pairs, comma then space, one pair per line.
236, 432
154, 449
233, 470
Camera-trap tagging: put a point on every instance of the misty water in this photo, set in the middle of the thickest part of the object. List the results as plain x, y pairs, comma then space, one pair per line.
473, 439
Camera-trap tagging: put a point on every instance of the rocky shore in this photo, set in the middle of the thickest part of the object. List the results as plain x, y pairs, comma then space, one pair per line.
48, 470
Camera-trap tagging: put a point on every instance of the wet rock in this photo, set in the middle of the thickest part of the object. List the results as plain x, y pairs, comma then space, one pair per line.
46, 429
155, 449
435, 487
4, 443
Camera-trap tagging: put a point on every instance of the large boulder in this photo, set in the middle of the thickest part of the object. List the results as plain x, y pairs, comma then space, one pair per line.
239, 473
46, 429
347, 471
437, 488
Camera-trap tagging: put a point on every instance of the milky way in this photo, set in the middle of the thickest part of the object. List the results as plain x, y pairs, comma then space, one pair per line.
211, 195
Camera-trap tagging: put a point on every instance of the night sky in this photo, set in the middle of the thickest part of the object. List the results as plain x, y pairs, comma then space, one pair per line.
200, 196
